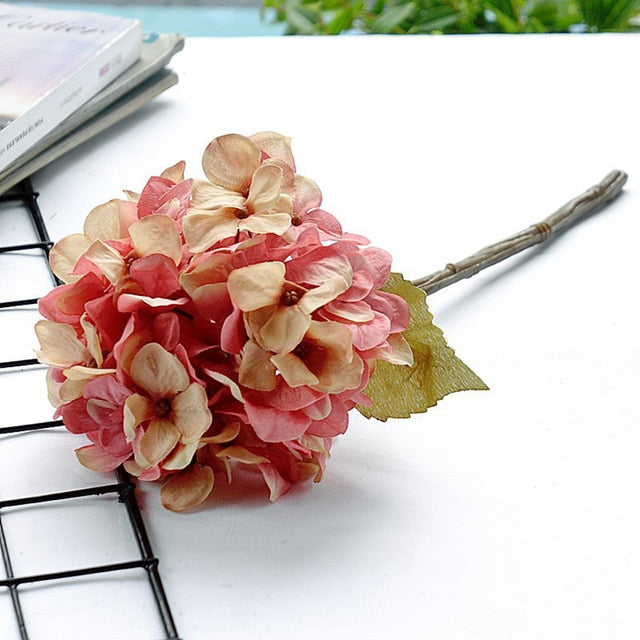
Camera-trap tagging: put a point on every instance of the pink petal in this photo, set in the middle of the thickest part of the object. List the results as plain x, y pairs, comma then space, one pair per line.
156, 275
274, 425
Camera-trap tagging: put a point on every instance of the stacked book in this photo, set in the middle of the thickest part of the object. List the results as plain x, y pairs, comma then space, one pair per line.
66, 76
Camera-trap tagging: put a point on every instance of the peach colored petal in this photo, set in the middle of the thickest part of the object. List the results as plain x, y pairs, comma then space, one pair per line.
275, 145
65, 253
229, 432
307, 195
240, 454
205, 195
357, 311
203, 229
80, 372
103, 222
156, 234
228, 382
401, 352
180, 457
71, 390
131, 302
276, 223
96, 458
294, 370
93, 339
191, 413
323, 294
156, 442
111, 220
265, 188
175, 172
284, 330
137, 409
188, 488
278, 485
256, 369
230, 161
108, 260
59, 344
257, 285
158, 372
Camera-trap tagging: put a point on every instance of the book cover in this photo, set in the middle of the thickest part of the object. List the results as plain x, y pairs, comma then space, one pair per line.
133, 89
51, 63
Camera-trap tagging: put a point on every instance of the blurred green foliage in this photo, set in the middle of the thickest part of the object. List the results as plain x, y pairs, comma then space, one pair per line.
331, 17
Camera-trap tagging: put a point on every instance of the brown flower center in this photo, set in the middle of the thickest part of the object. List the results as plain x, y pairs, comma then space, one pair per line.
162, 407
241, 214
302, 350
290, 297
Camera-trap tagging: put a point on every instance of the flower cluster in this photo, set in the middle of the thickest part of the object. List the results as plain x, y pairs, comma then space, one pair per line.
210, 324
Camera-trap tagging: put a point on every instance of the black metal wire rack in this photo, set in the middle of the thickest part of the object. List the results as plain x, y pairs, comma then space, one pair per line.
121, 491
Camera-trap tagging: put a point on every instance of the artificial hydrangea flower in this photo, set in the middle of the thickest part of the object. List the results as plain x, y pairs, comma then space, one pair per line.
208, 326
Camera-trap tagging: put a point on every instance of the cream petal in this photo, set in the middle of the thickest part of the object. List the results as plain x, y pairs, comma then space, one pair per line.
276, 146
227, 382
401, 352
175, 172
158, 372
156, 442
205, 195
265, 188
240, 454
307, 195
80, 372
293, 370
156, 234
108, 260
188, 488
103, 222
321, 295
65, 253
203, 229
256, 286
137, 409
59, 344
181, 456
96, 458
256, 369
92, 338
276, 223
229, 432
284, 330
191, 413
71, 390
230, 161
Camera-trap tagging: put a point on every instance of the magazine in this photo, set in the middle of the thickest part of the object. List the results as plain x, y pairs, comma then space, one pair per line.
51, 63
143, 81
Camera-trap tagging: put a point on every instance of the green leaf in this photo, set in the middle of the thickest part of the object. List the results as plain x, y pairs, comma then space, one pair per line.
389, 20
398, 391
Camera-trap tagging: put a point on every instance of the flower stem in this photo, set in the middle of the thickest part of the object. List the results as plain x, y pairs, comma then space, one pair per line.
595, 198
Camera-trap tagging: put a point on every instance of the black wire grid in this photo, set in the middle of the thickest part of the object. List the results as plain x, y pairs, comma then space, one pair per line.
122, 489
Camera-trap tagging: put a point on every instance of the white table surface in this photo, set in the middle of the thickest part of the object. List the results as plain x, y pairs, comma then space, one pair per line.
512, 513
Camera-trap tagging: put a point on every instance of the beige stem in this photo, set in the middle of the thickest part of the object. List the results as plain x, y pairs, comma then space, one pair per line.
573, 211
